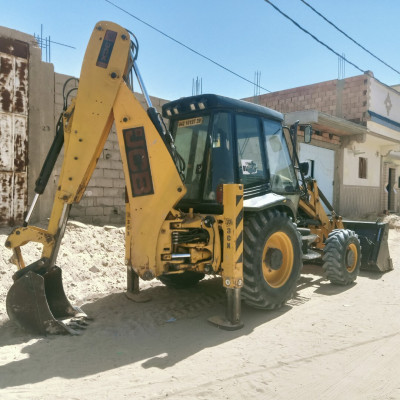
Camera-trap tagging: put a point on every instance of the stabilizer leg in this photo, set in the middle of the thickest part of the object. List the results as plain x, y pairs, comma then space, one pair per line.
232, 266
133, 292
232, 321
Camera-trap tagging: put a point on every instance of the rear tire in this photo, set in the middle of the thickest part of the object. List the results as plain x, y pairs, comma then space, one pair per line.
272, 259
181, 281
342, 257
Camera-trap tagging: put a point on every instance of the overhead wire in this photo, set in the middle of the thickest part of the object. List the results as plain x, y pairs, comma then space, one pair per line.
313, 36
186, 46
348, 37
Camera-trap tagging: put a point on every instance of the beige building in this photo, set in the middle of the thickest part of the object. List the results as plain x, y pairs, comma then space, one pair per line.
355, 149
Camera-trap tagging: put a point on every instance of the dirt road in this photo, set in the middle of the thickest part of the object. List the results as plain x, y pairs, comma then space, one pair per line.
328, 342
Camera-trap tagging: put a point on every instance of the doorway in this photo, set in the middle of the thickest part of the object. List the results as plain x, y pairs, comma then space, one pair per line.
390, 189
321, 163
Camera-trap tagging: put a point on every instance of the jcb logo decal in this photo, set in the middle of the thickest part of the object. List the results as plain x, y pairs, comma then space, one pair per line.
138, 162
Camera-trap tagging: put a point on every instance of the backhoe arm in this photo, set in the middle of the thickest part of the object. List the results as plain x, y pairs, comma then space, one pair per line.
36, 301
153, 182
319, 221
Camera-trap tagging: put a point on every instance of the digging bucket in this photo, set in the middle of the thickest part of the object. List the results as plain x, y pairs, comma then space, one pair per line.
37, 303
374, 244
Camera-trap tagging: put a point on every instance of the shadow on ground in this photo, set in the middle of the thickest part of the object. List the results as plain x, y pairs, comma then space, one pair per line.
313, 276
158, 334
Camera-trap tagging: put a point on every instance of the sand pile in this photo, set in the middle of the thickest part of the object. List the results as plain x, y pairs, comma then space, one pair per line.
91, 257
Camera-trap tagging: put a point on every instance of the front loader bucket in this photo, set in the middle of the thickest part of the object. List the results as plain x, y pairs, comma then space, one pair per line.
374, 244
37, 303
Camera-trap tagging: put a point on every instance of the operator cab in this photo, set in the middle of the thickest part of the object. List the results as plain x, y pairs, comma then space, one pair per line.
223, 140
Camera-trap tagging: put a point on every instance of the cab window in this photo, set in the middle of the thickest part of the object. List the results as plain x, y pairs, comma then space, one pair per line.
249, 148
282, 175
191, 140
220, 166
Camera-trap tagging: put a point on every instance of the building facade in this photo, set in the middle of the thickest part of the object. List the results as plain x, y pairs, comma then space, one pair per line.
354, 152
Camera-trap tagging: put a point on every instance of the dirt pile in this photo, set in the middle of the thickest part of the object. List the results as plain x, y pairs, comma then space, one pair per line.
393, 220
92, 260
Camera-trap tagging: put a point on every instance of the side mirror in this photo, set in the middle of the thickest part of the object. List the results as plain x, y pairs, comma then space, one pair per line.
304, 168
307, 133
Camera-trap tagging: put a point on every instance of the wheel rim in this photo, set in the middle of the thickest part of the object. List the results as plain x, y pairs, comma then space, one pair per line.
351, 257
277, 277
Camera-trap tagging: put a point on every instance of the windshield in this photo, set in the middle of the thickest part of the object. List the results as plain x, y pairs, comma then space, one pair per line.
282, 175
208, 154
190, 141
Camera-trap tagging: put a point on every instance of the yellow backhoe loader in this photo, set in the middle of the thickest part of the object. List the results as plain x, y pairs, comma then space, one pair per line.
215, 194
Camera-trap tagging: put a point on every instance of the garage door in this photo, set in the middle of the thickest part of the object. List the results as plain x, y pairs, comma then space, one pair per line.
13, 130
321, 163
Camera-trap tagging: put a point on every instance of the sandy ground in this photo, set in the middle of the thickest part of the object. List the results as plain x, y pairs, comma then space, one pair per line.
328, 342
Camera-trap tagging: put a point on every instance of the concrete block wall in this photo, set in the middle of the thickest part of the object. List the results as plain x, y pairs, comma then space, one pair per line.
104, 199
359, 202
347, 98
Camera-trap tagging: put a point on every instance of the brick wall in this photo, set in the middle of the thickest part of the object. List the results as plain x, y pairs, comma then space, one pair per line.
104, 199
347, 98
321, 139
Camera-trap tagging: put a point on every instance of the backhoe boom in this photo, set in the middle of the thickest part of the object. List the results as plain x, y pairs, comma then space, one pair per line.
153, 182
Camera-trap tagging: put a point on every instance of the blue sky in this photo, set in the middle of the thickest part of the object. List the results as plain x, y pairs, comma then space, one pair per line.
244, 36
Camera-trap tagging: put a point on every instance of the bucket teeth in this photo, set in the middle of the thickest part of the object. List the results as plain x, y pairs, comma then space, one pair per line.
79, 322
76, 325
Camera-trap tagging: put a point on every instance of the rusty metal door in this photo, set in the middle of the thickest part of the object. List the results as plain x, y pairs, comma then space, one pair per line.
14, 57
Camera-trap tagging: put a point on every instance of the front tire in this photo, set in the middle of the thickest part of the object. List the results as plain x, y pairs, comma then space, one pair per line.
342, 257
272, 259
